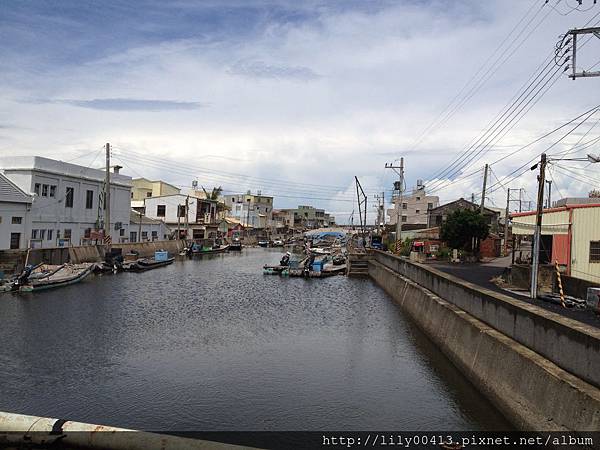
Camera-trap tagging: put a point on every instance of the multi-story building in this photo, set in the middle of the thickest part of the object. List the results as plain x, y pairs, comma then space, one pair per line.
414, 207
67, 201
202, 216
143, 188
15, 206
438, 215
305, 216
252, 210
144, 229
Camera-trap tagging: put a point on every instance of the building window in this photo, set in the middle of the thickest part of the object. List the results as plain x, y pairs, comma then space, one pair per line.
44, 190
69, 197
34, 234
148, 194
131, 194
181, 210
87, 233
122, 232
429, 205
404, 205
53, 191
154, 235
37, 188
67, 234
417, 211
144, 235
403, 218
160, 210
594, 251
132, 236
17, 220
42, 234
418, 198
89, 199
50, 234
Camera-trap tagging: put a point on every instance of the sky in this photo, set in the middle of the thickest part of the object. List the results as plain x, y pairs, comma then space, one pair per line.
296, 99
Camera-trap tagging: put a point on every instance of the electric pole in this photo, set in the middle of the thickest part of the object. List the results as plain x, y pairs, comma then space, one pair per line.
380, 210
506, 223
484, 187
400, 171
538, 226
550, 193
107, 237
187, 224
178, 221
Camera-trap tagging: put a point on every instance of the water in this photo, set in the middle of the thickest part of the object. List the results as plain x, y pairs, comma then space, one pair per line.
212, 344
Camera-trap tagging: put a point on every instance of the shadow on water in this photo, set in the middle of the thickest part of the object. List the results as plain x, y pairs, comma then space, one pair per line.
212, 344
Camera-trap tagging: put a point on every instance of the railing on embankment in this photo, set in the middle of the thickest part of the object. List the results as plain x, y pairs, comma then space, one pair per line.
20, 431
540, 369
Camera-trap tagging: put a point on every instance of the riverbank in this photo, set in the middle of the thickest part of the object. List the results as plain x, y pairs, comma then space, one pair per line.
541, 370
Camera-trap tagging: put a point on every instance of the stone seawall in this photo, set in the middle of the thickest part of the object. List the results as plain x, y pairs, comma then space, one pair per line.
531, 391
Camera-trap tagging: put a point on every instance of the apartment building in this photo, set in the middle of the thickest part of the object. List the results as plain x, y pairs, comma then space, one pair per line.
414, 207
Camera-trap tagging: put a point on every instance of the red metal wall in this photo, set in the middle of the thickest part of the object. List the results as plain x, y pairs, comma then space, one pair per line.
560, 248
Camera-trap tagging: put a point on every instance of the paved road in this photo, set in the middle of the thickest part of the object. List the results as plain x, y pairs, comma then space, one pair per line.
481, 274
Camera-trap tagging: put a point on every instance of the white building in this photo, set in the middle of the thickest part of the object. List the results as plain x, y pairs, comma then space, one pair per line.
251, 210
144, 229
15, 224
201, 214
67, 202
414, 206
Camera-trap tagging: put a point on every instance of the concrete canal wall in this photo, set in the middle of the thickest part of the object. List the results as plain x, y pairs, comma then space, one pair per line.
540, 369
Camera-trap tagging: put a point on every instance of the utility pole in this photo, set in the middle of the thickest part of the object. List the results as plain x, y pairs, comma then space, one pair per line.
187, 224
538, 226
178, 221
140, 227
107, 237
549, 193
575, 32
506, 223
400, 171
520, 201
484, 188
380, 211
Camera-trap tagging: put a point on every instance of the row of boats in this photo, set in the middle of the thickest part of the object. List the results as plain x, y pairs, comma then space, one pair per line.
314, 263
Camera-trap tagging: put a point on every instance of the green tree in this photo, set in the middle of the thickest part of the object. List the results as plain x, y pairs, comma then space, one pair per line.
460, 227
214, 194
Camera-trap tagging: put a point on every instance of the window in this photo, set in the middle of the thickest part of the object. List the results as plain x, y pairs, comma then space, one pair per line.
89, 199
67, 234
87, 233
154, 235
233, 199
122, 232
42, 234
144, 235
148, 194
403, 218
181, 210
34, 234
132, 236
594, 251
404, 205
160, 210
418, 198
418, 211
44, 190
69, 198
52, 191
37, 189
132, 195
17, 220
429, 205
50, 234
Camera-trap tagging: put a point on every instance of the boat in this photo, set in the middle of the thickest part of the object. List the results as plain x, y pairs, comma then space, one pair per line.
236, 245
277, 243
199, 250
274, 270
50, 277
144, 264
263, 243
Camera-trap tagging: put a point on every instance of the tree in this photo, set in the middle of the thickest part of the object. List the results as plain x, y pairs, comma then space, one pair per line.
214, 194
460, 227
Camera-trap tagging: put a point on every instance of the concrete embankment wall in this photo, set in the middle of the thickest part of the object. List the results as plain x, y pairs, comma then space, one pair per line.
531, 391
569, 344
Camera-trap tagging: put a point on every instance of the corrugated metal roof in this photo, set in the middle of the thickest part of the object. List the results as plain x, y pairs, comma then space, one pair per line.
9, 192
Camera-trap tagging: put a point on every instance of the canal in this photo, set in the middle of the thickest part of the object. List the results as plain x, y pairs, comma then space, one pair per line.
212, 344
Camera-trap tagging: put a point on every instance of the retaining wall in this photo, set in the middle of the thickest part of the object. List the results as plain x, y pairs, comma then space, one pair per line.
567, 343
532, 392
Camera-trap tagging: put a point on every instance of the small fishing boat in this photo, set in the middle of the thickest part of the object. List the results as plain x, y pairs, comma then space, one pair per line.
45, 277
277, 243
143, 264
236, 245
263, 243
274, 270
199, 250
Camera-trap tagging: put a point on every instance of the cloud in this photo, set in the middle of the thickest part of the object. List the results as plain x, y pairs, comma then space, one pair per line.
130, 104
260, 69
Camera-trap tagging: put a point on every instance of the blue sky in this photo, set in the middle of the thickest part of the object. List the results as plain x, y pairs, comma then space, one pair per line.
293, 98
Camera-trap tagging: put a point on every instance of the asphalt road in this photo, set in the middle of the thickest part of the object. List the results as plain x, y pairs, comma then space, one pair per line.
481, 274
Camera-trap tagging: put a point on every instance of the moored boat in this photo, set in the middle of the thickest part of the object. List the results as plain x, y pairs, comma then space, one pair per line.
48, 278
236, 244
143, 264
